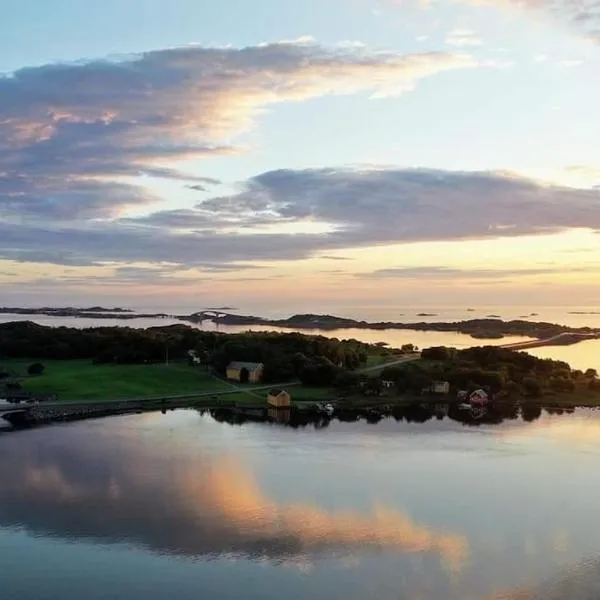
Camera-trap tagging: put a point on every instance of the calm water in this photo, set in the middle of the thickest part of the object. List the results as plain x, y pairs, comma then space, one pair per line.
181, 506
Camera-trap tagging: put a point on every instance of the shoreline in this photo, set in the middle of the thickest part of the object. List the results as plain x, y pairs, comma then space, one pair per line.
541, 333
372, 411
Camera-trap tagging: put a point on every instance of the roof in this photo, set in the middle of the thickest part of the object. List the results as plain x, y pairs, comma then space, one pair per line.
251, 366
276, 392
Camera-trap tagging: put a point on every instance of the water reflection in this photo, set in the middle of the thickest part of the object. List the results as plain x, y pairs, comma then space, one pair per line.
412, 413
420, 506
576, 582
198, 505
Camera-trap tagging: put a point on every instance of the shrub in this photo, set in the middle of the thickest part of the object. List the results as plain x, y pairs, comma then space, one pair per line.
35, 369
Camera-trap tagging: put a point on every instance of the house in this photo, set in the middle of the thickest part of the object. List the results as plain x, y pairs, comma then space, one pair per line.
279, 399
438, 387
245, 372
194, 359
478, 398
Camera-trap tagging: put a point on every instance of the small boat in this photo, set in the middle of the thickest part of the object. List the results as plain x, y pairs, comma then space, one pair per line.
326, 408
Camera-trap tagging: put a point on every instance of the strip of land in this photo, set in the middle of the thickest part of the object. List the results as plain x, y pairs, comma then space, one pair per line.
544, 334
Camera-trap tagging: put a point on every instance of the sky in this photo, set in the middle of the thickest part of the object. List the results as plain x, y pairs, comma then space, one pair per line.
271, 154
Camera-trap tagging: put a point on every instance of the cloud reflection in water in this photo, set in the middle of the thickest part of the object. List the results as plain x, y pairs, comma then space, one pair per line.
175, 503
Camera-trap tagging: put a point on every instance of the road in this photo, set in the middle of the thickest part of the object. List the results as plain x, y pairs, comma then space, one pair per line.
561, 339
404, 359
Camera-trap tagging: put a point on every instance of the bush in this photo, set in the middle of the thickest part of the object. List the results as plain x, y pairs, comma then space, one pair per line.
532, 387
35, 369
437, 353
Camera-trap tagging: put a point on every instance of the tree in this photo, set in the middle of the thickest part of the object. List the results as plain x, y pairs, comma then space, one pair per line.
591, 373
436, 353
346, 380
393, 373
531, 412
532, 387
35, 369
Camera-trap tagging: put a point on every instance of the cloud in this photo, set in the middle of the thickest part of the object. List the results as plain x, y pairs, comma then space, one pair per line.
215, 506
362, 207
463, 37
73, 135
581, 15
438, 272
584, 170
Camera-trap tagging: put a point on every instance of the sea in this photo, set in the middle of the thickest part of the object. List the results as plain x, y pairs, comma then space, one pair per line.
181, 505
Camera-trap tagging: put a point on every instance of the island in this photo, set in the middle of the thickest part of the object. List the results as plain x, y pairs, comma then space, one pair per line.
492, 327
544, 334
93, 312
49, 374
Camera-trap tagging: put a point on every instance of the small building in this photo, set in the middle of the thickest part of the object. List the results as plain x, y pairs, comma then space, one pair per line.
438, 387
194, 358
279, 399
479, 398
245, 372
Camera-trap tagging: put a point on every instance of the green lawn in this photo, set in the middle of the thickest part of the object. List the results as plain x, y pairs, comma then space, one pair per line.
378, 359
81, 380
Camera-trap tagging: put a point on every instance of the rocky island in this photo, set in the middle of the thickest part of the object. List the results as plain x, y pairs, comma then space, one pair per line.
488, 328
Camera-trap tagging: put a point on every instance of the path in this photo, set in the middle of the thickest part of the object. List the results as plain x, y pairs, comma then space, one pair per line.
404, 359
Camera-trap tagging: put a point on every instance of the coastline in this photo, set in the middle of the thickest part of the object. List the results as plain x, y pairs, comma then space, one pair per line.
370, 410
542, 333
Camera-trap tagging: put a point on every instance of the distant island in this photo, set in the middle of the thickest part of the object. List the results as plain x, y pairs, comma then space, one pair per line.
93, 312
491, 327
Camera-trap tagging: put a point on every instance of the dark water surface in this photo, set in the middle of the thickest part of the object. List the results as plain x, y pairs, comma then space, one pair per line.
182, 506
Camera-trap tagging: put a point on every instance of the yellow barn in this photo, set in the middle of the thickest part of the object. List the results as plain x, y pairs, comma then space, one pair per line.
279, 399
245, 372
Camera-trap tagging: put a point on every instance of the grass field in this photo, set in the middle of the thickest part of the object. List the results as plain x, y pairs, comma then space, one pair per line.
82, 380
374, 360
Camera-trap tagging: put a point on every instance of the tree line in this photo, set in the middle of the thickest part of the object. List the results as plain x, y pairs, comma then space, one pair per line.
500, 371
316, 360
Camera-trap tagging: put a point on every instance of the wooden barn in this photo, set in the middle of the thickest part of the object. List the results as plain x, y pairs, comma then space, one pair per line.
279, 399
245, 372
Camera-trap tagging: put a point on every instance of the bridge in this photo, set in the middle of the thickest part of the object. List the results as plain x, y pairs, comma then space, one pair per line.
212, 315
